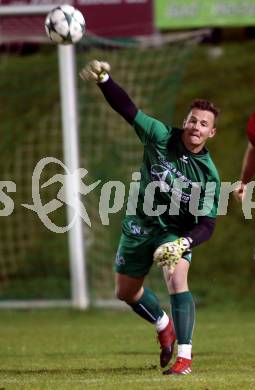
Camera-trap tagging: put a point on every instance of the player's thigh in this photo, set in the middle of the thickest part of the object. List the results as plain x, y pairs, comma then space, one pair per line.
134, 257
178, 281
128, 289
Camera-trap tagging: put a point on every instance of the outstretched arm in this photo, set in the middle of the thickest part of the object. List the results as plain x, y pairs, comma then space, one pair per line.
118, 99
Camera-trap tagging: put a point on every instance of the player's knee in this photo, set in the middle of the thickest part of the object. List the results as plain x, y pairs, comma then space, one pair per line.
125, 295
121, 294
178, 283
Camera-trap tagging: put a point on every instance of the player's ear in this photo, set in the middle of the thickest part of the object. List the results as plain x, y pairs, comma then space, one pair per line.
184, 122
212, 132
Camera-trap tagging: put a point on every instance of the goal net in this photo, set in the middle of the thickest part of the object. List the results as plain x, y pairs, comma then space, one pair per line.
34, 260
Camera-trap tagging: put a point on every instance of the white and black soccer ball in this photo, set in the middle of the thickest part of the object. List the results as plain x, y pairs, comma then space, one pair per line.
65, 25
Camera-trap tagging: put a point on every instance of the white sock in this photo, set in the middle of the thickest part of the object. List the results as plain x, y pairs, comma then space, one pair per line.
184, 351
162, 322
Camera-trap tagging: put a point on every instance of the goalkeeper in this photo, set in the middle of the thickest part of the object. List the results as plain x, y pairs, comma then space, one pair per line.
171, 156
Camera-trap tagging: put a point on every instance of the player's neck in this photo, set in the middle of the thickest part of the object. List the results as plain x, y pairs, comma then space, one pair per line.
193, 148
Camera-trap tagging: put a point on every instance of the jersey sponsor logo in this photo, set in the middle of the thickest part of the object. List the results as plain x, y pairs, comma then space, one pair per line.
171, 180
160, 173
171, 168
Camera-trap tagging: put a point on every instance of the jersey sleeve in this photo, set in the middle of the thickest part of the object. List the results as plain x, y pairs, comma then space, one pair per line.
251, 129
151, 130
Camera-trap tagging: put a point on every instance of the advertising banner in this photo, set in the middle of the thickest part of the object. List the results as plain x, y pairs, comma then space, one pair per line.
107, 18
204, 13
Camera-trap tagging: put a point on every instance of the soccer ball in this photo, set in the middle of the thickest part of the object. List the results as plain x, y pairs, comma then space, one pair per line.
65, 24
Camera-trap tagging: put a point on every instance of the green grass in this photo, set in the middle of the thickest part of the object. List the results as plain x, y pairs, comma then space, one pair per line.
65, 349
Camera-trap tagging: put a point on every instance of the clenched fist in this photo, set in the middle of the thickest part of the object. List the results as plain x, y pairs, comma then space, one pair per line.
95, 71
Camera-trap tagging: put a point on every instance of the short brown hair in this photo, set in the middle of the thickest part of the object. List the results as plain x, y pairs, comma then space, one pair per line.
205, 105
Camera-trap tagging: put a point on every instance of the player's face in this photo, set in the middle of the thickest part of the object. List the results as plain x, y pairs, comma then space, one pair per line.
198, 127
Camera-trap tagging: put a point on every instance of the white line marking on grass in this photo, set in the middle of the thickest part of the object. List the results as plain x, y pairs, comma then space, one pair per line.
108, 381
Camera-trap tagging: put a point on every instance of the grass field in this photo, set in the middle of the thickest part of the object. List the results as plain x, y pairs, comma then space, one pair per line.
65, 349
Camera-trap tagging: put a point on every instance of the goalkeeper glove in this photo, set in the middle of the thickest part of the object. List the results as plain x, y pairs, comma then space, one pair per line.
96, 71
170, 253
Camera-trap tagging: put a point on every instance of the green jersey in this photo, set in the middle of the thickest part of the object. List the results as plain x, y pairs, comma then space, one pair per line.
176, 186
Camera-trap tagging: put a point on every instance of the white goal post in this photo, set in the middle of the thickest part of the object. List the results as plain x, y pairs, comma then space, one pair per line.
67, 70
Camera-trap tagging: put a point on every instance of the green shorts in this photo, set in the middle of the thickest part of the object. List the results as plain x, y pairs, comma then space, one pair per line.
135, 252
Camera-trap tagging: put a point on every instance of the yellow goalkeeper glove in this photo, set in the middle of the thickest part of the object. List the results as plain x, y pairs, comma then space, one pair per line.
170, 253
96, 71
